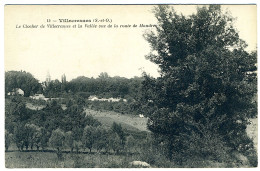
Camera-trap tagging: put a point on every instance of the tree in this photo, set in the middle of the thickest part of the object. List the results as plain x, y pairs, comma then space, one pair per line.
8, 140
89, 137
20, 136
19, 112
103, 75
117, 128
33, 133
15, 112
130, 143
77, 145
75, 117
23, 80
114, 142
69, 140
207, 81
57, 141
38, 137
101, 138
44, 138
91, 121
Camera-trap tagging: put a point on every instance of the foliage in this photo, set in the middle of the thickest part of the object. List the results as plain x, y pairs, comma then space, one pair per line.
77, 145
44, 139
69, 140
23, 80
88, 138
207, 85
57, 141
105, 86
101, 138
114, 142
16, 110
54, 88
90, 120
8, 139
130, 143
34, 135
117, 128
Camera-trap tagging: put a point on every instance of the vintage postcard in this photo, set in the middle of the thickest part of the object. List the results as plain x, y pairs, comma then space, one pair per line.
130, 86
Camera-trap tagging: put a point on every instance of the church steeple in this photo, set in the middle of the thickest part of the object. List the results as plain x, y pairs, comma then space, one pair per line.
48, 77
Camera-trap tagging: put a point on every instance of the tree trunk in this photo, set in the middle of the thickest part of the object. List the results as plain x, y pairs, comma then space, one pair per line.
59, 154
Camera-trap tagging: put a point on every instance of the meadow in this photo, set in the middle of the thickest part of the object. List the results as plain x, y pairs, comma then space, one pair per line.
129, 122
35, 159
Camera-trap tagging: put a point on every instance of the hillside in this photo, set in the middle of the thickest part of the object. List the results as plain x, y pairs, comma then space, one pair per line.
130, 122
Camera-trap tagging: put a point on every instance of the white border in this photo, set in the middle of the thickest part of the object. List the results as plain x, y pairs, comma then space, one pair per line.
4, 2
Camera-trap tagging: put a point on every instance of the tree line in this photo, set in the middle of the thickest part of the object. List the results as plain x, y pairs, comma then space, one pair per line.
59, 129
23, 80
81, 89
103, 86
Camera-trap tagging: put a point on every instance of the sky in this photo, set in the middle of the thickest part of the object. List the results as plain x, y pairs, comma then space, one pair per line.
89, 51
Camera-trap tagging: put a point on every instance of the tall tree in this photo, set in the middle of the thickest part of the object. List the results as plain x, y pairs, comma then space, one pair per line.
57, 141
8, 140
117, 128
89, 137
23, 80
207, 81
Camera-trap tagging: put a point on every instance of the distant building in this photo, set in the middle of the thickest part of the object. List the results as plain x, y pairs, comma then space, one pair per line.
95, 98
48, 78
16, 91
141, 115
38, 97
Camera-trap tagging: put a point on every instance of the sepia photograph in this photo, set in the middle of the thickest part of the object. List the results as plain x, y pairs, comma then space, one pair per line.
130, 86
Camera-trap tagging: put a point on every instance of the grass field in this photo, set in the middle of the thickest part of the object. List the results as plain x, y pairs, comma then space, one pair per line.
130, 122
49, 160
34, 107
